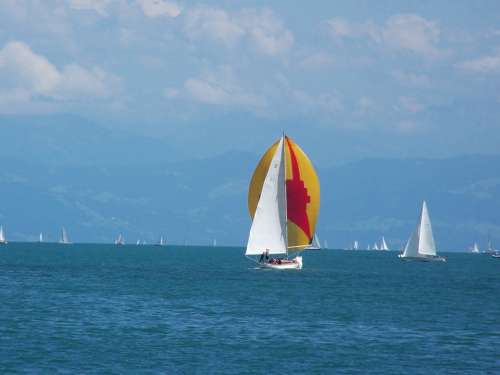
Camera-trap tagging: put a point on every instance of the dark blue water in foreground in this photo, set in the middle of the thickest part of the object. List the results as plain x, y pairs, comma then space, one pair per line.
98, 309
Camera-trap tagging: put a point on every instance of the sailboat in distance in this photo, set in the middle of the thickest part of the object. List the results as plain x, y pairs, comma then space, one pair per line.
283, 202
421, 245
474, 248
3, 241
383, 244
64, 237
120, 240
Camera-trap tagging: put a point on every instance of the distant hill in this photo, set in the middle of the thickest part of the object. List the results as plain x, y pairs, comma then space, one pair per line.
198, 200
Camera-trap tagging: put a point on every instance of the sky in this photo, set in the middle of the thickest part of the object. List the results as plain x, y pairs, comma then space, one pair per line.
347, 79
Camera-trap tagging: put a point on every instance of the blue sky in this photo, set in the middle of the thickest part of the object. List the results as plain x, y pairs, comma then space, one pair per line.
357, 78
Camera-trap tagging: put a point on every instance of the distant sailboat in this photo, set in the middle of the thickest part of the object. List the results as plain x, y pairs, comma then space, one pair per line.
283, 201
383, 244
315, 245
3, 241
325, 244
355, 245
120, 240
40, 237
421, 245
64, 237
474, 248
161, 242
214, 242
138, 242
375, 246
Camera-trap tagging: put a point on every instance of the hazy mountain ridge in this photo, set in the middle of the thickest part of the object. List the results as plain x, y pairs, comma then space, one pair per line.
199, 200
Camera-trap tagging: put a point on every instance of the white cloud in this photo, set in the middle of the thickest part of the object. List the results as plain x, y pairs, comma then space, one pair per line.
484, 64
414, 33
410, 104
220, 88
403, 31
412, 79
157, 8
99, 6
317, 60
261, 29
213, 24
27, 75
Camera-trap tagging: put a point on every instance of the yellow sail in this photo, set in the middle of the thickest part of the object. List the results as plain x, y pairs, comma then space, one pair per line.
302, 193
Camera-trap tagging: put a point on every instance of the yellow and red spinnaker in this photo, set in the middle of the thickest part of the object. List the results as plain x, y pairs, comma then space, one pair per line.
302, 193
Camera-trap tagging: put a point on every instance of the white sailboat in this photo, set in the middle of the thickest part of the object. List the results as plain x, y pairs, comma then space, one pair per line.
161, 242
315, 245
40, 237
3, 241
383, 244
421, 245
375, 246
281, 224
64, 237
120, 240
355, 245
474, 248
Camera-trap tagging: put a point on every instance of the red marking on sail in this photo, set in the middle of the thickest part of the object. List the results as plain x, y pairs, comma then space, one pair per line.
297, 197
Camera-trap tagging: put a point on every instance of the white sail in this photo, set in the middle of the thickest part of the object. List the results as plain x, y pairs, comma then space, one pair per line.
383, 244
64, 236
268, 229
426, 244
375, 246
475, 248
316, 242
2, 235
411, 248
355, 246
120, 240
40, 237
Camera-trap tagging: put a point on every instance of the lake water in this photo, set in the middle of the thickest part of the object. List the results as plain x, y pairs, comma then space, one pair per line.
98, 309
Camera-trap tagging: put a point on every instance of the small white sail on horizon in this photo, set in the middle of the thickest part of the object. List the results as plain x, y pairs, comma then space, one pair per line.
383, 244
375, 246
3, 241
421, 245
474, 248
64, 237
120, 240
355, 245
40, 237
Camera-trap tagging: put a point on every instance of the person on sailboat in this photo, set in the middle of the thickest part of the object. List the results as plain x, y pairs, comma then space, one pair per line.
261, 259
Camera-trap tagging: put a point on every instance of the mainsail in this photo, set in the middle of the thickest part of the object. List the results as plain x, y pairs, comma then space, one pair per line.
283, 200
2, 235
383, 244
64, 236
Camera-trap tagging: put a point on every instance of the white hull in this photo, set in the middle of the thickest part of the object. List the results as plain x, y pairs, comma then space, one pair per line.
423, 258
294, 264
495, 255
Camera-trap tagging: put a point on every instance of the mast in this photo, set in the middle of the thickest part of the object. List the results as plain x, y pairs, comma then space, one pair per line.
283, 155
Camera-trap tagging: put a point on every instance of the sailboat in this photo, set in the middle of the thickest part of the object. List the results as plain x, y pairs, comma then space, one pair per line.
3, 241
40, 237
474, 248
161, 242
355, 245
315, 245
64, 237
283, 201
421, 244
325, 244
375, 246
120, 240
383, 244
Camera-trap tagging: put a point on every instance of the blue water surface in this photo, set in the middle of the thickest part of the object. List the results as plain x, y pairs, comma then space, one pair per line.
102, 309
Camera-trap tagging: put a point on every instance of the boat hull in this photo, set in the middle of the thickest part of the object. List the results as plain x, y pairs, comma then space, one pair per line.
423, 258
294, 264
